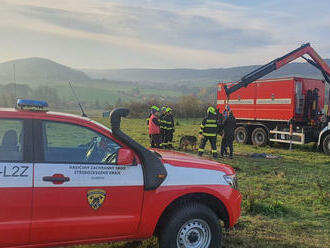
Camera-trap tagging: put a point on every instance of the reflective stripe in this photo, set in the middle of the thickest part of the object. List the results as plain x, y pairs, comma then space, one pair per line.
237, 101
214, 151
84, 175
178, 176
274, 101
211, 121
167, 128
202, 126
16, 175
210, 134
211, 125
201, 150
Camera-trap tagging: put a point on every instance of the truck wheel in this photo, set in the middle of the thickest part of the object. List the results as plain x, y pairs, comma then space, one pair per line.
191, 225
326, 144
259, 137
241, 135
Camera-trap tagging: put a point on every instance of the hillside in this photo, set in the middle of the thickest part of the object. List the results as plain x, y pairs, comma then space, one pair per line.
35, 75
39, 70
193, 76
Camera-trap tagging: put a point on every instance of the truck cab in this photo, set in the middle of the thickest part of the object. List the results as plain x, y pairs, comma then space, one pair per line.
66, 179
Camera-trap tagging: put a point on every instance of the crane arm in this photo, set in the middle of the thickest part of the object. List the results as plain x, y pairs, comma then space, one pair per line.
317, 61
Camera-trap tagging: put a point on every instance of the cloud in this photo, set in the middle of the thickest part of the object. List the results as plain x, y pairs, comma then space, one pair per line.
173, 33
155, 26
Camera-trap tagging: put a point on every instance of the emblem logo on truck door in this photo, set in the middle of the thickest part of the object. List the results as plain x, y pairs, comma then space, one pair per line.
96, 198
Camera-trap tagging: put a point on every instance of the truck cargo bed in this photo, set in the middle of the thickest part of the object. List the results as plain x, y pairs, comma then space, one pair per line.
279, 99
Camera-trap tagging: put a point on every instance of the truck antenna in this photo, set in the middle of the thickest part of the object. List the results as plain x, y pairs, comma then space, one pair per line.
15, 90
79, 103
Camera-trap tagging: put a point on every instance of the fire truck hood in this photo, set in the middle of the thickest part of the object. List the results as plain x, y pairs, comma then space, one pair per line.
192, 161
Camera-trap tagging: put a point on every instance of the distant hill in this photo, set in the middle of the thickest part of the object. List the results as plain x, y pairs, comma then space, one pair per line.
98, 87
174, 76
34, 75
39, 70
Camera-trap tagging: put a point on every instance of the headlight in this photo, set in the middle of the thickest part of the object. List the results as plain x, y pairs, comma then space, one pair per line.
231, 180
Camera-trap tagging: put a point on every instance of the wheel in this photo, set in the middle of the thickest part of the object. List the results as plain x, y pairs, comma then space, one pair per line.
259, 137
326, 144
241, 135
191, 225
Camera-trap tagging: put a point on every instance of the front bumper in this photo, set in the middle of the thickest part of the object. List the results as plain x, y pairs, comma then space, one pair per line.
234, 208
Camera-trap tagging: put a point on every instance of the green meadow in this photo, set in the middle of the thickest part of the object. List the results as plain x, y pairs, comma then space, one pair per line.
286, 201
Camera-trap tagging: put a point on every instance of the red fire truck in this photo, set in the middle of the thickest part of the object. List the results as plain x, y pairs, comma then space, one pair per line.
67, 180
286, 110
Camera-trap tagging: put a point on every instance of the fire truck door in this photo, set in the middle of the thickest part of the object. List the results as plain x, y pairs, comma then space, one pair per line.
80, 192
16, 172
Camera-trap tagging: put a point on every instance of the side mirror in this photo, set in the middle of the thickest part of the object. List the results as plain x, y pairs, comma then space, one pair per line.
125, 157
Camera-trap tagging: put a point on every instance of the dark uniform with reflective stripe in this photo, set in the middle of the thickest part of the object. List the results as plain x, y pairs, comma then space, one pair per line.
169, 130
209, 129
162, 129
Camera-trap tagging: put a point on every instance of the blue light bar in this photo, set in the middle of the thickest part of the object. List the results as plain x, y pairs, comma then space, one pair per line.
26, 104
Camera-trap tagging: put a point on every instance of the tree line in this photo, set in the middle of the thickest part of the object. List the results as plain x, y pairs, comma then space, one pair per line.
187, 106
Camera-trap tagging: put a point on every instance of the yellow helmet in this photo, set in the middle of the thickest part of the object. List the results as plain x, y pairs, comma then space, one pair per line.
211, 110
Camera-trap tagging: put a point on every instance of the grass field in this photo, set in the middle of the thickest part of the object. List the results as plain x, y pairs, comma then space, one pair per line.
286, 201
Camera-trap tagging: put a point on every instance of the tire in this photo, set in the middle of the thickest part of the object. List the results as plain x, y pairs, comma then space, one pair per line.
241, 135
191, 225
326, 144
259, 137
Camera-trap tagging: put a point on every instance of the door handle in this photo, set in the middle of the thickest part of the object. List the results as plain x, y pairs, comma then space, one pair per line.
56, 179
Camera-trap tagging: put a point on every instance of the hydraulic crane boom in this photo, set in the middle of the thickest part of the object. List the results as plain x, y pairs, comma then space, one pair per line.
316, 61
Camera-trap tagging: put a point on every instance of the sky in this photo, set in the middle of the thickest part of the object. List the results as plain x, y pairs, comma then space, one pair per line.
106, 34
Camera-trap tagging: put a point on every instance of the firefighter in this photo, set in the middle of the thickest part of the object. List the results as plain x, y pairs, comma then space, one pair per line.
229, 126
150, 113
162, 126
220, 118
209, 129
154, 128
169, 128
147, 120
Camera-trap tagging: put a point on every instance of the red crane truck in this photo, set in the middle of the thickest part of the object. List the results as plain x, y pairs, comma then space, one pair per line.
286, 110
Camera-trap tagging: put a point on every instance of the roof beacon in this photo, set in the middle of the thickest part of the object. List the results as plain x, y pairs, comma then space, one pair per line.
32, 105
